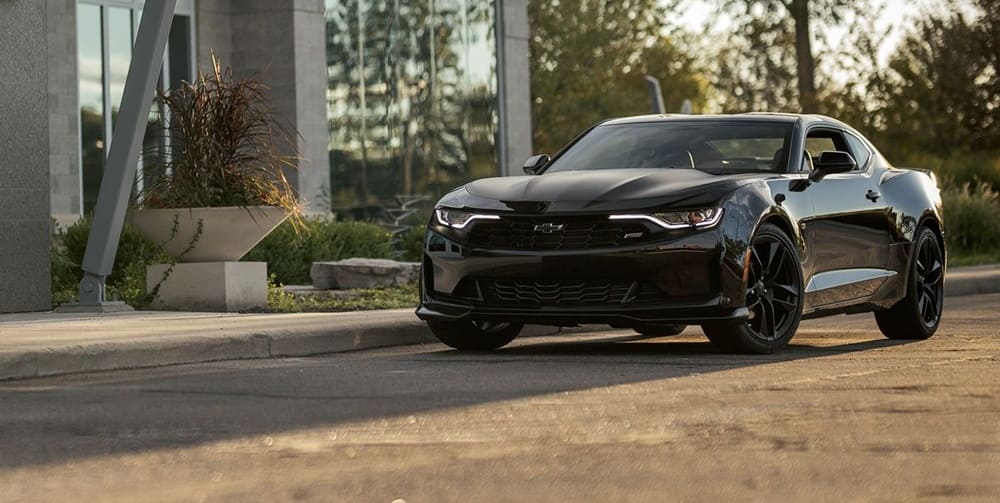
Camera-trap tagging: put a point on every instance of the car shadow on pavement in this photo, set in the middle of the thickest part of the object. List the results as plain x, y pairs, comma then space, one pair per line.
58, 420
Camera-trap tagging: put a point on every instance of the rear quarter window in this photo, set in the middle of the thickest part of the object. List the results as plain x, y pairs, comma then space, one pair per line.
859, 150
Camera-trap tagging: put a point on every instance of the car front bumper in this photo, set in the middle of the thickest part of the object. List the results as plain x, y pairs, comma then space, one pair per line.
686, 277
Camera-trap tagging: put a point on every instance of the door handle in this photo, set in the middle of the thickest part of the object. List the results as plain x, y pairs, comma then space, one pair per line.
872, 195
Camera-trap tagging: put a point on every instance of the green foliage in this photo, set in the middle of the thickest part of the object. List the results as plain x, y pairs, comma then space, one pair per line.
972, 226
955, 170
763, 66
937, 103
127, 281
224, 147
290, 252
588, 60
413, 244
280, 301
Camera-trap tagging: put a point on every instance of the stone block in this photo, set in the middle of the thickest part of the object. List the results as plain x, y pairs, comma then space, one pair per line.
362, 273
210, 286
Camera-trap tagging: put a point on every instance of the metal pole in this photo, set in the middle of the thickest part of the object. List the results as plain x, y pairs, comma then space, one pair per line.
655, 95
119, 173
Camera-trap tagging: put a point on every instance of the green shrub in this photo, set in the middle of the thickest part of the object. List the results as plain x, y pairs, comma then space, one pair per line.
403, 296
413, 244
959, 169
127, 281
290, 253
972, 219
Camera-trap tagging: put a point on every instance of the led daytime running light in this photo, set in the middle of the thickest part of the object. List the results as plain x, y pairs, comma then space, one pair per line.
711, 216
442, 215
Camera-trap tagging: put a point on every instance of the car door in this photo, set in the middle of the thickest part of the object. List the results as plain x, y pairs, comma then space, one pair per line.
848, 234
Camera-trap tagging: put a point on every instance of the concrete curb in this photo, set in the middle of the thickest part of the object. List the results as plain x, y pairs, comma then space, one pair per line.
972, 280
304, 339
288, 342
201, 349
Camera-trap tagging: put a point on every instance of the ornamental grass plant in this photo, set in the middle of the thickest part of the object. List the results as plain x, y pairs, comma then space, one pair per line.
224, 147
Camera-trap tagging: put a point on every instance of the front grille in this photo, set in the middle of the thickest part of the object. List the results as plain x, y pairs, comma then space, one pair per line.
567, 293
544, 233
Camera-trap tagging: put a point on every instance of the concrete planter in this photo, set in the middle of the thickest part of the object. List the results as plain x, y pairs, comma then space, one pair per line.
227, 233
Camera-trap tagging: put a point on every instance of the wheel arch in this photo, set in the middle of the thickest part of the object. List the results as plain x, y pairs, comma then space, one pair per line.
931, 222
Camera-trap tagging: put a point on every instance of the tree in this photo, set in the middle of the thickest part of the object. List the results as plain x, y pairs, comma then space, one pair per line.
776, 37
945, 97
588, 60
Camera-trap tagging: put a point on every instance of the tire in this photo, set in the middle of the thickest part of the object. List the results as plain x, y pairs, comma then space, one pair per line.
918, 315
774, 298
474, 335
659, 330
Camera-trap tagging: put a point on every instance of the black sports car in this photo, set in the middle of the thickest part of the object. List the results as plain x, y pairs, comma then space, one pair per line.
743, 224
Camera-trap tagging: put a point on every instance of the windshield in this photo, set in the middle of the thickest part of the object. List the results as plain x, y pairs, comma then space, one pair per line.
713, 147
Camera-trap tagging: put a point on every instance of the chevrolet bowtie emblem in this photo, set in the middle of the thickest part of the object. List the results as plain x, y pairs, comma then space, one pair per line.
549, 228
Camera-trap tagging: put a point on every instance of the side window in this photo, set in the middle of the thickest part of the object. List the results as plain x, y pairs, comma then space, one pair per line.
859, 150
822, 140
816, 146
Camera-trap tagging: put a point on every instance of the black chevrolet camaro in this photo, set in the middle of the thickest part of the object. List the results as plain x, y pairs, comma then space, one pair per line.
743, 224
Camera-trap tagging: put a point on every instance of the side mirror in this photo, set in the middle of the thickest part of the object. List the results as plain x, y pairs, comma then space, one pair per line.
535, 163
830, 162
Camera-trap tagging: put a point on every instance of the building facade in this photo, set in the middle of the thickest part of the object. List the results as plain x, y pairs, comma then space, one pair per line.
389, 97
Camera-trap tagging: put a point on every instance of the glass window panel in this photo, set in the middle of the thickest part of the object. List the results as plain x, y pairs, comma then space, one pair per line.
411, 98
91, 74
180, 51
860, 151
816, 146
119, 55
101, 87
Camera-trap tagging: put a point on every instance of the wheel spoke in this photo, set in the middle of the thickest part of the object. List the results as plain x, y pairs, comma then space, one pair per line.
932, 310
789, 305
764, 326
929, 291
755, 260
933, 276
789, 289
772, 253
776, 268
771, 331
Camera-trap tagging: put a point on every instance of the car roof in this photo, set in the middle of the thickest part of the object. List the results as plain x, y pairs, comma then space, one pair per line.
783, 118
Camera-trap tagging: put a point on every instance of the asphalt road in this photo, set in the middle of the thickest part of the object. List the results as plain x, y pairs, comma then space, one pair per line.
841, 415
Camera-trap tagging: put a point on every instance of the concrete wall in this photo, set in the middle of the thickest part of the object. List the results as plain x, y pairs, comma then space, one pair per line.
213, 33
64, 118
284, 43
515, 84
24, 165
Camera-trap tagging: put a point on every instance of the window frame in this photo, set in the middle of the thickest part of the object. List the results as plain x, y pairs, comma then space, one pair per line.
864, 144
844, 133
183, 8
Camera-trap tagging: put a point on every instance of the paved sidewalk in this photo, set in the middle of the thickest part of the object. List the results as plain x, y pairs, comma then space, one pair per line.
44, 344
41, 344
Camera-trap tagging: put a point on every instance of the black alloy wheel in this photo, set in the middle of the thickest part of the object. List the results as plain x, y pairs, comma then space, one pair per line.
659, 330
475, 335
772, 287
773, 297
918, 314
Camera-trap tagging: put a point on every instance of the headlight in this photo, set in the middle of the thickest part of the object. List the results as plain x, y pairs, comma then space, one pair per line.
700, 218
459, 219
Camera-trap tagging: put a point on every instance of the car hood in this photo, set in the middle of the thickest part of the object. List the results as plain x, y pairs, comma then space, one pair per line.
607, 189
